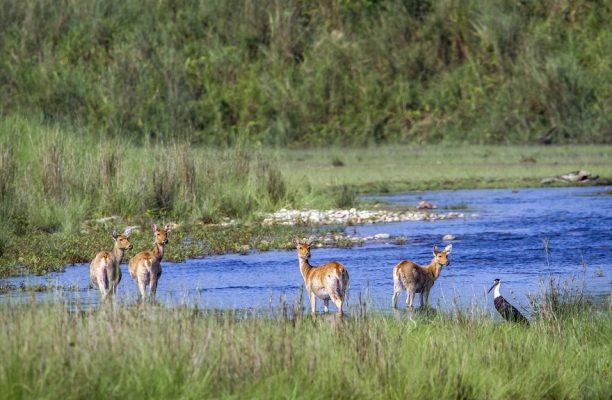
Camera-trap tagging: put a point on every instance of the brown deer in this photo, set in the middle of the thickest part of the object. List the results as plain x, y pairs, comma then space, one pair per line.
327, 282
413, 278
104, 271
145, 267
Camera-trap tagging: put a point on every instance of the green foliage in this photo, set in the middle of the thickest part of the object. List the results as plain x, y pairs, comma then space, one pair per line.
155, 352
60, 186
303, 73
346, 196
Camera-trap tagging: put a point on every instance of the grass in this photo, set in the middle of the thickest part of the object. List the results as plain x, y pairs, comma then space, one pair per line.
402, 168
50, 351
63, 190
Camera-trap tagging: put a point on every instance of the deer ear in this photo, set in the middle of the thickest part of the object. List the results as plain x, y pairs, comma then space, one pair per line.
168, 227
311, 241
448, 248
435, 250
128, 232
295, 241
114, 233
154, 227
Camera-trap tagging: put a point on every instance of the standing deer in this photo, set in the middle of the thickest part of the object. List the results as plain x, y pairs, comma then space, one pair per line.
104, 271
327, 281
145, 267
413, 278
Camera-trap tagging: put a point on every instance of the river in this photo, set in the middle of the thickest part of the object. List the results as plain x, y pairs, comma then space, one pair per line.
522, 236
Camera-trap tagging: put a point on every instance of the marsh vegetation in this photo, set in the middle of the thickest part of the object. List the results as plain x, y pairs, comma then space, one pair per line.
63, 191
156, 352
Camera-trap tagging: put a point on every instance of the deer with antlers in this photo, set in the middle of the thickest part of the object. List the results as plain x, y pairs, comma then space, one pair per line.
145, 267
414, 278
104, 270
327, 282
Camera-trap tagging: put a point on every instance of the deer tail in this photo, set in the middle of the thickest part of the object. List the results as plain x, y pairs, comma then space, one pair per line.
148, 263
342, 285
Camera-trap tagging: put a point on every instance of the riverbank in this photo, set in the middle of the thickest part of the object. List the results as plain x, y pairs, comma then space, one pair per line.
59, 189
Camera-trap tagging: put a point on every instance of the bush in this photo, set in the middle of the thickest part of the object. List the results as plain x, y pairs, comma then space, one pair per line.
312, 73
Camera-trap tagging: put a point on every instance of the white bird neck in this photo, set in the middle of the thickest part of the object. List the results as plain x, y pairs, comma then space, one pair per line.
496, 291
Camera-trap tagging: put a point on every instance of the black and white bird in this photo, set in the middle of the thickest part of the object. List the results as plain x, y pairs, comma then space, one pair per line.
507, 310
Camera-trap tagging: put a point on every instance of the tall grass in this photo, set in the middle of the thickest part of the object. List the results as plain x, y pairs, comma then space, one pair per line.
301, 72
59, 185
154, 352
60, 180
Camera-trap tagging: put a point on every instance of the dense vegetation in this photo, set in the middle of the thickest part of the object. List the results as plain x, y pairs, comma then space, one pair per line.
54, 351
103, 105
299, 72
62, 191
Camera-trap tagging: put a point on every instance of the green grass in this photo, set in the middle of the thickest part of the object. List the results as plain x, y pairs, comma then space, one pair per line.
155, 352
63, 191
427, 167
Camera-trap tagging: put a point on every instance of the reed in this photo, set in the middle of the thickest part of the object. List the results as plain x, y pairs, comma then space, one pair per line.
156, 352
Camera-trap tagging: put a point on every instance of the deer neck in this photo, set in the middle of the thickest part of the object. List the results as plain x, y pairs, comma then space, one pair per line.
158, 251
433, 269
117, 254
305, 267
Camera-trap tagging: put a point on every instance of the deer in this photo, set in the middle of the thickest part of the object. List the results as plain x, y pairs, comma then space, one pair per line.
414, 278
104, 271
327, 282
145, 267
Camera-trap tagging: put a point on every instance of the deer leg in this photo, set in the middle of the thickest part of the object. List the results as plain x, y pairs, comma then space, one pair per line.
326, 305
142, 288
153, 289
338, 302
394, 299
313, 306
116, 280
409, 298
103, 283
397, 289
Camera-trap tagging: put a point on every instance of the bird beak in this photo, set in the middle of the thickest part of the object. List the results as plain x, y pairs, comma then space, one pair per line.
489, 291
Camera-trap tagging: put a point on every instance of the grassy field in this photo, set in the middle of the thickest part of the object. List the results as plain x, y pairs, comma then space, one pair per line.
183, 353
62, 191
427, 167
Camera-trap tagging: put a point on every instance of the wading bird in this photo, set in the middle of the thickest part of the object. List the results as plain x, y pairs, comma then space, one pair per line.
507, 310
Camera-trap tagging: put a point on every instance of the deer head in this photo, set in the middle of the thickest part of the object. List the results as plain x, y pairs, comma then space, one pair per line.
303, 249
122, 241
161, 234
441, 257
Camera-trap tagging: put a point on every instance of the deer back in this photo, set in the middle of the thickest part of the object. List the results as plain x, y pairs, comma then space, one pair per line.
326, 274
412, 274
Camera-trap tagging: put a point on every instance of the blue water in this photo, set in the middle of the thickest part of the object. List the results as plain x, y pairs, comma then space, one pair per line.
521, 236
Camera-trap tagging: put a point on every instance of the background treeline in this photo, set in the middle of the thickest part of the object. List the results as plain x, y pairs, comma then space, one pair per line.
314, 72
